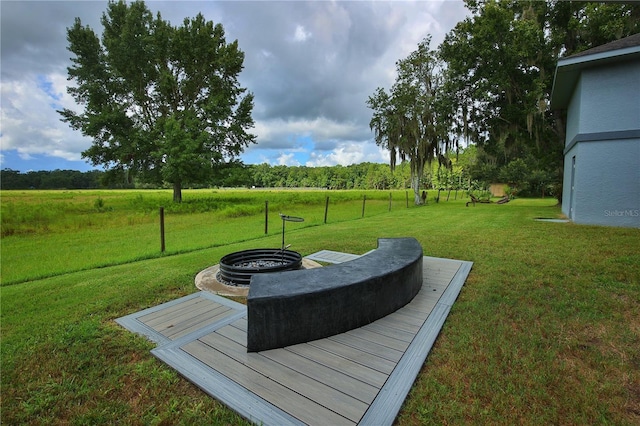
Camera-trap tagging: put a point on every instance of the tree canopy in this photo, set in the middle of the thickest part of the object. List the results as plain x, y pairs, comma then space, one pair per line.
492, 86
161, 102
499, 75
408, 120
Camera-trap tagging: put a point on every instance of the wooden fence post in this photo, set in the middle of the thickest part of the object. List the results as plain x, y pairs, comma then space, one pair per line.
364, 200
326, 209
162, 246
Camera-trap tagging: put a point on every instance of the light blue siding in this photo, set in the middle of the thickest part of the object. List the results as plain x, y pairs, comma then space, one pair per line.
610, 98
607, 190
603, 134
568, 195
573, 114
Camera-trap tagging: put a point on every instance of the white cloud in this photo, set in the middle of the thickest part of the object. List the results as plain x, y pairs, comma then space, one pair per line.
311, 66
287, 160
30, 123
348, 153
301, 34
274, 133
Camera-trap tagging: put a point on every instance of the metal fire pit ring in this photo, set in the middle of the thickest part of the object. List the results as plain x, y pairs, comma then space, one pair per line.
238, 268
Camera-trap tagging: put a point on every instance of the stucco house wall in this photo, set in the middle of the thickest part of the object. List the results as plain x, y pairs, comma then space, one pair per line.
602, 147
610, 196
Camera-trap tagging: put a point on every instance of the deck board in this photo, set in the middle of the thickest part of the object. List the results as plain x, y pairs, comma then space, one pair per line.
161, 323
196, 323
350, 353
159, 317
358, 371
368, 346
329, 256
183, 315
317, 392
358, 377
388, 331
264, 386
339, 380
380, 339
398, 323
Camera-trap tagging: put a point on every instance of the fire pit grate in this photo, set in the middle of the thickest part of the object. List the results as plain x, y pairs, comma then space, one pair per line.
238, 268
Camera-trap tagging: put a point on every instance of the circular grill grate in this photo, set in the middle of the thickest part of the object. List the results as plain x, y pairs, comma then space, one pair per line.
238, 268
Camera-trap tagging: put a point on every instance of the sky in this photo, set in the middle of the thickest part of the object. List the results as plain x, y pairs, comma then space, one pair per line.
311, 66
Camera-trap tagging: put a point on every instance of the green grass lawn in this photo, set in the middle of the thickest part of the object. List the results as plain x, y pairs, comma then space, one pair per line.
47, 233
546, 329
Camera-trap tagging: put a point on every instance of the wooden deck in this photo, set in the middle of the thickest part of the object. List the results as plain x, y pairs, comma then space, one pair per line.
358, 377
329, 256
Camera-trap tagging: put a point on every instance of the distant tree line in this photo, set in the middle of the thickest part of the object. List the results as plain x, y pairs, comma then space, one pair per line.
234, 174
467, 171
56, 179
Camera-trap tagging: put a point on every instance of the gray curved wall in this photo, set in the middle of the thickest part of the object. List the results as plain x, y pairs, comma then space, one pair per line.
287, 308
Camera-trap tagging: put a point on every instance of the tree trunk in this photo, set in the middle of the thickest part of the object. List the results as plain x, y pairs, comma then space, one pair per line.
415, 184
177, 192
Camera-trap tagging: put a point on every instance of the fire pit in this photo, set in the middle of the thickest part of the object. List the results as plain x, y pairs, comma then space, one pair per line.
238, 268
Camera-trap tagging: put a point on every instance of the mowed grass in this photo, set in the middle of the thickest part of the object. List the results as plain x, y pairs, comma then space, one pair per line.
47, 233
546, 329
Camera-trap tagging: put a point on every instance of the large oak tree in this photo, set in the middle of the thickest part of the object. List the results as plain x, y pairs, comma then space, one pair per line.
500, 66
161, 102
408, 121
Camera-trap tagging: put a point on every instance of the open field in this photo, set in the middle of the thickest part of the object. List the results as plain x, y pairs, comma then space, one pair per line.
47, 233
546, 329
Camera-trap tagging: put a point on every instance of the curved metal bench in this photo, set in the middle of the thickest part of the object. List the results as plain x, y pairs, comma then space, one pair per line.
286, 308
